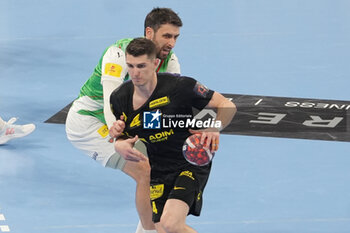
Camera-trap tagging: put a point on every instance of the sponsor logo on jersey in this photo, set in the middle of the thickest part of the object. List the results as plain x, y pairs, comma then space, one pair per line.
136, 121
156, 191
162, 136
201, 90
159, 102
103, 131
114, 70
151, 120
188, 174
199, 196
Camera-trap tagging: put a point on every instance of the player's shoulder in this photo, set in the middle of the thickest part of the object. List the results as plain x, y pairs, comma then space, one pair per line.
114, 50
123, 43
168, 76
172, 57
173, 77
168, 79
118, 47
176, 81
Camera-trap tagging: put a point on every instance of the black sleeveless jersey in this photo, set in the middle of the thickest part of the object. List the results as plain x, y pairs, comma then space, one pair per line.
163, 121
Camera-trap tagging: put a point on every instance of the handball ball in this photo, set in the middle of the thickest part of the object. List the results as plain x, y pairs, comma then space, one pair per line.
195, 153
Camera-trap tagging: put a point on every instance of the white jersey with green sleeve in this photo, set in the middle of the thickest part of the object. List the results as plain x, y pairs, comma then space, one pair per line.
112, 68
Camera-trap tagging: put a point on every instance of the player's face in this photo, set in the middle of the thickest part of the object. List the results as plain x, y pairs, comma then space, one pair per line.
141, 69
164, 38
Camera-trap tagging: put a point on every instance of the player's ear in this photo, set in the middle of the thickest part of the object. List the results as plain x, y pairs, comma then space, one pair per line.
156, 62
149, 33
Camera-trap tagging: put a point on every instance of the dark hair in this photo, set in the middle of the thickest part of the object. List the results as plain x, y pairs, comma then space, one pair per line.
141, 46
159, 16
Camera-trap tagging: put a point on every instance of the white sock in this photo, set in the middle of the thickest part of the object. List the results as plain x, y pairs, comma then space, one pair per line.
141, 230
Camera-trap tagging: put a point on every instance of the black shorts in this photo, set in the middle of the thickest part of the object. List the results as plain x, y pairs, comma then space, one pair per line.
185, 188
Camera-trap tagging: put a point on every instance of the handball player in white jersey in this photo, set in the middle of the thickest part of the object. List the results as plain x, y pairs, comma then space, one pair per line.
89, 118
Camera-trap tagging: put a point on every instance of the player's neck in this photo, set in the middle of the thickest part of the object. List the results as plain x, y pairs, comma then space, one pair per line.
143, 92
147, 89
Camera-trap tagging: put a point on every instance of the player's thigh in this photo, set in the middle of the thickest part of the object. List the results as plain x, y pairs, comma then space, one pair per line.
140, 146
90, 135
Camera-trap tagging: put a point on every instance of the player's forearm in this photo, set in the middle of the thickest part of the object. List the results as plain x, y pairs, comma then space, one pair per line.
109, 117
225, 113
108, 88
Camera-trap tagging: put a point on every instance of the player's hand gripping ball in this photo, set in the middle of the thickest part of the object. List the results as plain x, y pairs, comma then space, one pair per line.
195, 153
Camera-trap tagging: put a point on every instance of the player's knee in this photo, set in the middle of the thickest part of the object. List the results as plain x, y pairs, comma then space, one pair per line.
139, 171
171, 225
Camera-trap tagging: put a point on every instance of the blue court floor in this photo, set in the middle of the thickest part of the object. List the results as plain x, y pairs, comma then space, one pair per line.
292, 48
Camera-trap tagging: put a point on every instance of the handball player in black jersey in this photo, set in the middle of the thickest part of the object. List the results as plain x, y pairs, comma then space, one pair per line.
140, 104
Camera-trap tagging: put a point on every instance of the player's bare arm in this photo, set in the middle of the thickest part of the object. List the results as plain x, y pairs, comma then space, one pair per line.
226, 109
225, 112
